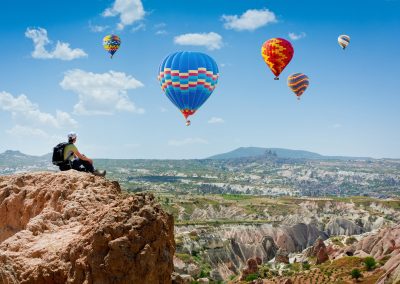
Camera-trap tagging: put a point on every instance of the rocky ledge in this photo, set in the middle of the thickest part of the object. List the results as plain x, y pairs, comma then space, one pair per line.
73, 227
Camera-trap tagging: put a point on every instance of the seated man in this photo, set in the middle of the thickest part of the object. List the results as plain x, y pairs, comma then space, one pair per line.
76, 160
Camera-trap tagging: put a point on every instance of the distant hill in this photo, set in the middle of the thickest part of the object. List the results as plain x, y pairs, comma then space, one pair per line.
11, 158
244, 152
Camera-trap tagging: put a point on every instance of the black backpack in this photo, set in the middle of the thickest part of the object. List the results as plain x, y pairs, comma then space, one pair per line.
58, 154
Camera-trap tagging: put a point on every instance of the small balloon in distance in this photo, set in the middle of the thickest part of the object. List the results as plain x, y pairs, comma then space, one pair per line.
344, 41
111, 44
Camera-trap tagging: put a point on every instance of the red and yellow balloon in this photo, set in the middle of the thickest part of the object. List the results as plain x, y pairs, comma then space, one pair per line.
277, 53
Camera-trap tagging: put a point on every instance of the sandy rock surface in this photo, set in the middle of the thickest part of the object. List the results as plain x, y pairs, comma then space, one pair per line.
73, 227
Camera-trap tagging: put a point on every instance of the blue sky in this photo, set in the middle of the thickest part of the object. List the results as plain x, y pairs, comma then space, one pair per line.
56, 77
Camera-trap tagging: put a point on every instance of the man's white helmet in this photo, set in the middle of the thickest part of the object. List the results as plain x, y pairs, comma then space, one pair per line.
72, 136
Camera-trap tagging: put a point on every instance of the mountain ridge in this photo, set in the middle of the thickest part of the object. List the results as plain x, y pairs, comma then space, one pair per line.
241, 152
246, 152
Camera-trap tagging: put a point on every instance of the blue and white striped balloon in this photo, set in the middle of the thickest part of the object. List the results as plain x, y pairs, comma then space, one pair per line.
188, 79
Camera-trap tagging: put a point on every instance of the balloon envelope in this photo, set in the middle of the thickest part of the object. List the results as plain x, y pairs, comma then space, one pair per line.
188, 79
277, 53
298, 83
343, 41
111, 43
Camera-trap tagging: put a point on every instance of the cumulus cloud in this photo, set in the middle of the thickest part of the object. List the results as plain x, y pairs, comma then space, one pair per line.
22, 107
187, 141
26, 131
210, 40
294, 36
249, 20
129, 12
61, 51
214, 120
101, 93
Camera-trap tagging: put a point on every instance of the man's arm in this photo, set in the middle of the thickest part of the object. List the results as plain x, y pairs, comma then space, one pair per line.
82, 157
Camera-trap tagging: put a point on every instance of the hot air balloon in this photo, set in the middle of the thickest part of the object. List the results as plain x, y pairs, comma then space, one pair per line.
188, 79
277, 53
111, 43
298, 83
343, 41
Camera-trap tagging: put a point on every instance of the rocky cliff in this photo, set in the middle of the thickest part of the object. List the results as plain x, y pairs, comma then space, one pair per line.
73, 227
384, 244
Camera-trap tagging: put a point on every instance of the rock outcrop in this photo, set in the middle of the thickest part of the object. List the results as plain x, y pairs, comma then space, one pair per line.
384, 244
269, 247
251, 268
392, 268
341, 226
319, 251
282, 256
73, 227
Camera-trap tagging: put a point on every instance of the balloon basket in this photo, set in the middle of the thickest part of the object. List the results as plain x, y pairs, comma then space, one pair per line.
276, 78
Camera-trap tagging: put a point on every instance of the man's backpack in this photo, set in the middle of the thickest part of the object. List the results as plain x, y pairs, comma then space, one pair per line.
58, 154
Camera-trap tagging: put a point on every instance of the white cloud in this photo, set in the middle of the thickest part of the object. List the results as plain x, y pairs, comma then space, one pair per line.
210, 40
160, 25
161, 32
129, 11
21, 106
101, 93
214, 120
139, 27
160, 29
61, 51
249, 20
294, 36
337, 125
26, 131
187, 141
96, 28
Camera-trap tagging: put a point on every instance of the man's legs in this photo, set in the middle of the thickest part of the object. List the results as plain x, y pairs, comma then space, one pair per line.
82, 166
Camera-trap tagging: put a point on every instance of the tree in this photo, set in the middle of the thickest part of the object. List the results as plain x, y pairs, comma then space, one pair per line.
306, 265
355, 273
370, 263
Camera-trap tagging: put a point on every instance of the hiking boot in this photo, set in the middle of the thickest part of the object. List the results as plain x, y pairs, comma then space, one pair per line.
99, 173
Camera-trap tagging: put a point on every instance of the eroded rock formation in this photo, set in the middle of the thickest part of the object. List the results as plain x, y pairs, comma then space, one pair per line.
384, 244
251, 268
282, 256
319, 251
73, 227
